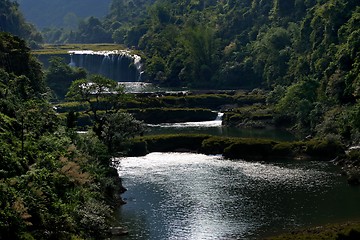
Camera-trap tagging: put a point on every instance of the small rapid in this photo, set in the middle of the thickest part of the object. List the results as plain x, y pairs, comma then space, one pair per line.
216, 123
216, 128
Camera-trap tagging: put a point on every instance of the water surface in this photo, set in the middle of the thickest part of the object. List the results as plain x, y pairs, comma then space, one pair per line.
194, 196
216, 128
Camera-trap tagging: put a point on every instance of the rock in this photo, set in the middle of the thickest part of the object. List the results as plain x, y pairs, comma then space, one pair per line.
353, 181
118, 231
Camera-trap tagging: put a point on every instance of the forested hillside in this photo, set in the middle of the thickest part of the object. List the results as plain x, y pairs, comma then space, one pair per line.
304, 52
125, 18
12, 20
54, 184
58, 13
303, 55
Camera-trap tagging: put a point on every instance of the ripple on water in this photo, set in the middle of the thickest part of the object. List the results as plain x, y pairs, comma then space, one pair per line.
194, 196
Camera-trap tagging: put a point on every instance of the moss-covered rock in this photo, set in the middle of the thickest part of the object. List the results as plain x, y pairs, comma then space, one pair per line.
168, 143
171, 115
323, 149
238, 148
250, 149
216, 145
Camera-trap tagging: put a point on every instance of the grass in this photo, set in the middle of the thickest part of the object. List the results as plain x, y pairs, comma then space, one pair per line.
64, 48
340, 231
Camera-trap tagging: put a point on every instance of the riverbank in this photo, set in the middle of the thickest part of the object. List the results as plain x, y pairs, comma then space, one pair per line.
238, 148
340, 231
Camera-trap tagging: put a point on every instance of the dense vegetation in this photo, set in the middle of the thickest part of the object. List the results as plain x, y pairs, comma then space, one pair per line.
12, 20
58, 13
238, 148
305, 54
54, 183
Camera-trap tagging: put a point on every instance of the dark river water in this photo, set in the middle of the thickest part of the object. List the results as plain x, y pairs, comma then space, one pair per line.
215, 128
194, 196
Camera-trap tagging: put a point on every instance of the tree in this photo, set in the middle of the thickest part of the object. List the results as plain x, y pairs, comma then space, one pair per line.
201, 45
12, 21
105, 98
271, 53
60, 75
15, 58
92, 30
118, 129
50, 186
298, 102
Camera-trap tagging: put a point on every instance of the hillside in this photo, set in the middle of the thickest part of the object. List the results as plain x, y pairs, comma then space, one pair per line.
12, 20
305, 53
58, 13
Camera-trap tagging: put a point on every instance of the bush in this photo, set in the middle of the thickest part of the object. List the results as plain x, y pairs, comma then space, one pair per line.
168, 143
138, 148
324, 149
215, 145
283, 149
249, 149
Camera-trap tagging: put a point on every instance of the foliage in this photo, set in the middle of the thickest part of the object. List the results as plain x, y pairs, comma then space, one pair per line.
13, 51
298, 102
12, 21
104, 98
60, 75
54, 184
55, 13
118, 128
200, 44
280, 46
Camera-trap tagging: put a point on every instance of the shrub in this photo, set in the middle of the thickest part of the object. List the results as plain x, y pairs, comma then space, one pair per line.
283, 149
324, 149
249, 149
215, 145
168, 143
138, 148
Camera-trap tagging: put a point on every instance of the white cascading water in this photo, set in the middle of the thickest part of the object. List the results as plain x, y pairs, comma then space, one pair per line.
119, 65
217, 123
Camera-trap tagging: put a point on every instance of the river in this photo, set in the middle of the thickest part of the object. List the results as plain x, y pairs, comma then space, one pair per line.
195, 196
192, 196
216, 128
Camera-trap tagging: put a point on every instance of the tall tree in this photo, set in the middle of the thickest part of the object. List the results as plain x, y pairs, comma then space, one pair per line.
105, 98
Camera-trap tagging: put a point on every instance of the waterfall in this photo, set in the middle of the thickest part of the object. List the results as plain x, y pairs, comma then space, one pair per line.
219, 116
119, 65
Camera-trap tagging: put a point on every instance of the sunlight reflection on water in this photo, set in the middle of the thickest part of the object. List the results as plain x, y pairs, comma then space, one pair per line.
194, 196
